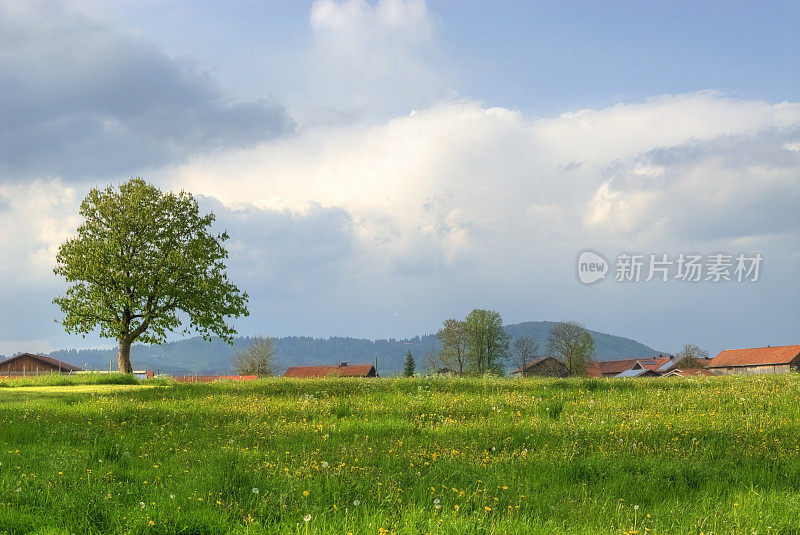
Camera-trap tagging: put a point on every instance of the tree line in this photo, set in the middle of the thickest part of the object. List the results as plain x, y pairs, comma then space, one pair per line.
478, 344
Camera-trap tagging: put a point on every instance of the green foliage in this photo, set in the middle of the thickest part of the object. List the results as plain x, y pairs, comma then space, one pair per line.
56, 379
454, 337
409, 365
572, 344
140, 258
487, 342
420, 455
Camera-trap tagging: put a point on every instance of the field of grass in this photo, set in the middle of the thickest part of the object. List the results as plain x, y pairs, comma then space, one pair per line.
439, 455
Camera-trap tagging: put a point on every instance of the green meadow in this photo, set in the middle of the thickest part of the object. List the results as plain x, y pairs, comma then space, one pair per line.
428, 455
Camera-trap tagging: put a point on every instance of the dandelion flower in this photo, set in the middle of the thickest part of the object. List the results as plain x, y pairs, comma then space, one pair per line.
307, 518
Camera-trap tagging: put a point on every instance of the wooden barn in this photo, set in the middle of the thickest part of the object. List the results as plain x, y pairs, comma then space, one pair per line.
779, 359
340, 370
30, 364
543, 367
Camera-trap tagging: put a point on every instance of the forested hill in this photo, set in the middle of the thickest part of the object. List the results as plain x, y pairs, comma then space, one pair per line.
197, 355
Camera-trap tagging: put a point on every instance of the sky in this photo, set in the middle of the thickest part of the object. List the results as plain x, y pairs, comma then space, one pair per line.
382, 166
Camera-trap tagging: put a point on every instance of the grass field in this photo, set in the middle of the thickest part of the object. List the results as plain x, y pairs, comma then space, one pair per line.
718, 455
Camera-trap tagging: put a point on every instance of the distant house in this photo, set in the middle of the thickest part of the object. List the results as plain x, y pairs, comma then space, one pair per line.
689, 372
544, 367
684, 363
340, 370
779, 359
612, 368
30, 364
636, 374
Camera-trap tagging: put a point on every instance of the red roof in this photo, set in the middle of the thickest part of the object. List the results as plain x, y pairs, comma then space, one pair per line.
341, 370
651, 364
599, 368
45, 360
756, 356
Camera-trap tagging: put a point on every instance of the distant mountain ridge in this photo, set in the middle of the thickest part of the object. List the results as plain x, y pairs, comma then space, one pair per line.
194, 355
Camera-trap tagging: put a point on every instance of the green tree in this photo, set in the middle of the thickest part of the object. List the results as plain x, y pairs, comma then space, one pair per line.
258, 359
487, 341
140, 258
453, 336
572, 344
408, 366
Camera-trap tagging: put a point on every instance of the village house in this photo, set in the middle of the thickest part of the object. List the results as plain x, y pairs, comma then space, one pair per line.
543, 367
779, 359
636, 374
30, 364
340, 370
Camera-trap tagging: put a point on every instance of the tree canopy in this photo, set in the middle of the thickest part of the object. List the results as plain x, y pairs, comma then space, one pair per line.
141, 260
487, 341
572, 344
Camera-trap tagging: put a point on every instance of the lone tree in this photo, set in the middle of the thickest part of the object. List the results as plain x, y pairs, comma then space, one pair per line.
571, 343
140, 258
453, 336
526, 350
258, 359
408, 366
487, 341
692, 356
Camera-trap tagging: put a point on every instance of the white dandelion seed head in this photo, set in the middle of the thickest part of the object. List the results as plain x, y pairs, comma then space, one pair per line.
356, 503
141, 505
436, 501
255, 490
324, 464
307, 518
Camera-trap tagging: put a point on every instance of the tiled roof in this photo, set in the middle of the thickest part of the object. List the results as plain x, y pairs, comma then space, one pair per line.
636, 373
531, 364
653, 364
46, 360
756, 356
358, 370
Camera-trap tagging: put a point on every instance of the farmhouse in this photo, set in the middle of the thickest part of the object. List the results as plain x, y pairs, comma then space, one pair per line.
544, 367
780, 359
341, 370
635, 374
688, 372
609, 368
30, 364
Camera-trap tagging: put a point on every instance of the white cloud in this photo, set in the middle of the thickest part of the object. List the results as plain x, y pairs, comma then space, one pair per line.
374, 59
461, 175
39, 217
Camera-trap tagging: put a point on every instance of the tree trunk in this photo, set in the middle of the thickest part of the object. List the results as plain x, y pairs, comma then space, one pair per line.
124, 356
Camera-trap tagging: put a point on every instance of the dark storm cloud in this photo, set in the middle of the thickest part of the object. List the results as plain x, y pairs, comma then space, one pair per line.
285, 251
82, 100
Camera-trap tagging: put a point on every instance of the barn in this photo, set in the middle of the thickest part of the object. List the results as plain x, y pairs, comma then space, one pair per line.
778, 359
340, 370
543, 367
30, 364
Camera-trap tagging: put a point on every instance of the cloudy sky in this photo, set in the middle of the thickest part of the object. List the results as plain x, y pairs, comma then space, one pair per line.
381, 166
